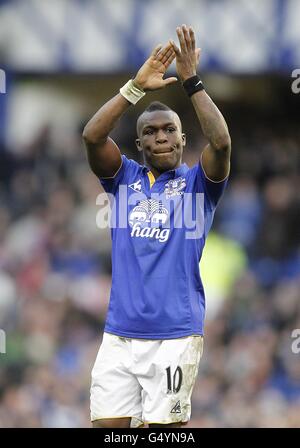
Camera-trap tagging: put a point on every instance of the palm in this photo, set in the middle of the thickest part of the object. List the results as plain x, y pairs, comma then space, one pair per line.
156, 70
150, 75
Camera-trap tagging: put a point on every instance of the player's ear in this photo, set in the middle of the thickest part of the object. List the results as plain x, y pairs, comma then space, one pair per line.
183, 138
138, 144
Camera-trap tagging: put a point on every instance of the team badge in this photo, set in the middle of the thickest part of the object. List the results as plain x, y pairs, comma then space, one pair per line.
175, 187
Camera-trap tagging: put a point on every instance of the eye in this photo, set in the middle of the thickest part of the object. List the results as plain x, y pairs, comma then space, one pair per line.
171, 129
148, 132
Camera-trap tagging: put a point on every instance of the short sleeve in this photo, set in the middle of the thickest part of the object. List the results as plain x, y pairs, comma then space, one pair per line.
111, 184
213, 190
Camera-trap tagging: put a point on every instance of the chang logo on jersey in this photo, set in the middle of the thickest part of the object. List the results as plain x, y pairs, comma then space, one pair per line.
175, 187
146, 219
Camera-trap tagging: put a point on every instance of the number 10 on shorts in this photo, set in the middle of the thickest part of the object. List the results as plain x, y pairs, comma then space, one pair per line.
174, 382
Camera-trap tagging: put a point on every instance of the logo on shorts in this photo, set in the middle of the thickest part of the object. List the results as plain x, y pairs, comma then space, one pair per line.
177, 408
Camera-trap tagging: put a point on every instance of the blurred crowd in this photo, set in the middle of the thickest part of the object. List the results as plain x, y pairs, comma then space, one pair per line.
55, 276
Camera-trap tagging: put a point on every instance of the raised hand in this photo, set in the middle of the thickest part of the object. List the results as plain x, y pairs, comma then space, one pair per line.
187, 58
150, 75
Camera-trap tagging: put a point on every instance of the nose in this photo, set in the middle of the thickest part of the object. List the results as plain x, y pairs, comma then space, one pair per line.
161, 136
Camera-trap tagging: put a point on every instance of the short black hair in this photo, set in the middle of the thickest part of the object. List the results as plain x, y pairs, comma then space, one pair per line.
157, 105
153, 107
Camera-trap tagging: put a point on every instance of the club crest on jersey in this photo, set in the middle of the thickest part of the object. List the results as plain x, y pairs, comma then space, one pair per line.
175, 187
136, 186
146, 218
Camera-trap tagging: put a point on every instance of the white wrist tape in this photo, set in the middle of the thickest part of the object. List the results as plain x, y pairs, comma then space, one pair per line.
132, 93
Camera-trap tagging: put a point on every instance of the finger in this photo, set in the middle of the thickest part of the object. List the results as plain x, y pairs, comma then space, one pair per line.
187, 38
169, 60
175, 48
163, 52
181, 39
170, 80
192, 36
198, 53
156, 51
167, 55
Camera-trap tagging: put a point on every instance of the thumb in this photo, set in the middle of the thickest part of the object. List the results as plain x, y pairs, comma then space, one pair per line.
170, 80
198, 52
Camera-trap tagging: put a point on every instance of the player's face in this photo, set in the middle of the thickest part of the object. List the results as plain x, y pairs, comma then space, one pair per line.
161, 139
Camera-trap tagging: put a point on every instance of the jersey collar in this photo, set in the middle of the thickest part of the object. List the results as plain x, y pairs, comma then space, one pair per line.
180, 171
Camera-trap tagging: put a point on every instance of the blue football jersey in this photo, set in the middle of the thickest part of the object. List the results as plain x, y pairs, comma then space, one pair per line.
158, 231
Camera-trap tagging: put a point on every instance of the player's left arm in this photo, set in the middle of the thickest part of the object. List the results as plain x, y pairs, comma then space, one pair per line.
216, 155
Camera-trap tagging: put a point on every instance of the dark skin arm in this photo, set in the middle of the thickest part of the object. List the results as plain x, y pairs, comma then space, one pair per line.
103, 153
216, 155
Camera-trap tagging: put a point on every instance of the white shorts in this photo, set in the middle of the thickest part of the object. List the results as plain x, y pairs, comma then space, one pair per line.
150, 381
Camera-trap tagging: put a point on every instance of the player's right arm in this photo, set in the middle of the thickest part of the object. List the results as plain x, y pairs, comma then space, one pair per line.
103, 153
